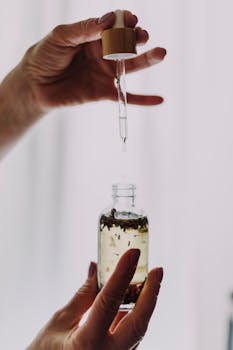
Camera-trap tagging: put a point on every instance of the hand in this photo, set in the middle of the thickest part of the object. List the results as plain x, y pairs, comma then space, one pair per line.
67, 67
105, 328
64, 68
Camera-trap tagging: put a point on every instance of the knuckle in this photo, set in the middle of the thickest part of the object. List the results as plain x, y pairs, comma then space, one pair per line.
83, 27
86, 25
86, 289
109, 303
29, 51
59, 317
58, 31
150, 58
28, 56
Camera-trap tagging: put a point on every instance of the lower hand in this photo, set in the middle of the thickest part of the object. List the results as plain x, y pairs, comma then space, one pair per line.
105, 328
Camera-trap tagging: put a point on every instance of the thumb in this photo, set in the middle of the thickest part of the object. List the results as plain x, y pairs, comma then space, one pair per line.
71, 314
81, 32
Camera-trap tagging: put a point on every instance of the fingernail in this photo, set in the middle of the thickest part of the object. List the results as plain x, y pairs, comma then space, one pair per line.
136, 19
146, 32
160, 274
134, 256
92, 269
163, 52
105, 17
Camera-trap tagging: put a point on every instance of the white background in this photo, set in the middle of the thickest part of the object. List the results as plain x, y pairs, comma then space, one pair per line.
54, 184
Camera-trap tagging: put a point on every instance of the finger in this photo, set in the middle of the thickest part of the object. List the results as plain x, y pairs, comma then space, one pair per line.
130, 20
109, 299
120, 315
145, 60
144, 100
142, 36
72, 35
72, 312
133, 327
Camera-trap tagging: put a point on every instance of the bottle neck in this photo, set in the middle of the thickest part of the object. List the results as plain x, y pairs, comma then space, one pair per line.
124, 202
123, 195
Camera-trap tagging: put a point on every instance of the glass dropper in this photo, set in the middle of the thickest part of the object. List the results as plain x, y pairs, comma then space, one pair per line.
122, 100
119, 44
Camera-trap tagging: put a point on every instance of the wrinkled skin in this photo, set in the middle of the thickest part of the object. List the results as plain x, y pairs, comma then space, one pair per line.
67, 66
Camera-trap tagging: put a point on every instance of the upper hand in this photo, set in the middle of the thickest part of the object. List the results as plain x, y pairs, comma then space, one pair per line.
66, 67
104, 328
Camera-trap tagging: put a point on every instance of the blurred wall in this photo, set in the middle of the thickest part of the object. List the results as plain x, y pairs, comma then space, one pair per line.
56, 181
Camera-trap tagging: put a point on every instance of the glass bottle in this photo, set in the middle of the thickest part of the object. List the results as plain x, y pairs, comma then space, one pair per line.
121, 227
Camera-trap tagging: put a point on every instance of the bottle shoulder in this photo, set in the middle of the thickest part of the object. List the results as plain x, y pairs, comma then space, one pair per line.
123, 212
127, 220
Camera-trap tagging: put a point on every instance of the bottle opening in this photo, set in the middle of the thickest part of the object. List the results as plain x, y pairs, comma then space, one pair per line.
123, 190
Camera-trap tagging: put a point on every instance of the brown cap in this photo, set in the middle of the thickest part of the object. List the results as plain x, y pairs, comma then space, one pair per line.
119, 42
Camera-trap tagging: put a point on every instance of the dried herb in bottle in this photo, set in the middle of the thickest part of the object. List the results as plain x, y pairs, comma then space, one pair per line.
122, 227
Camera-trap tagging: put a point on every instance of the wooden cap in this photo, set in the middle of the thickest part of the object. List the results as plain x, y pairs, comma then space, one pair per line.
119, 42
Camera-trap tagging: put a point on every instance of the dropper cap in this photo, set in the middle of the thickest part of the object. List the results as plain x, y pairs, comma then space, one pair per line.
119, 42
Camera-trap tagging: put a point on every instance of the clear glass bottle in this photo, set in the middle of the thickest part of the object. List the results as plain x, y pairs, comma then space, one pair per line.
121, 227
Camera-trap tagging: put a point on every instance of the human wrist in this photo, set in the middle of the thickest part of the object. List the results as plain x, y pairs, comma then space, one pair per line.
18, 109
18, 106
16, 91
